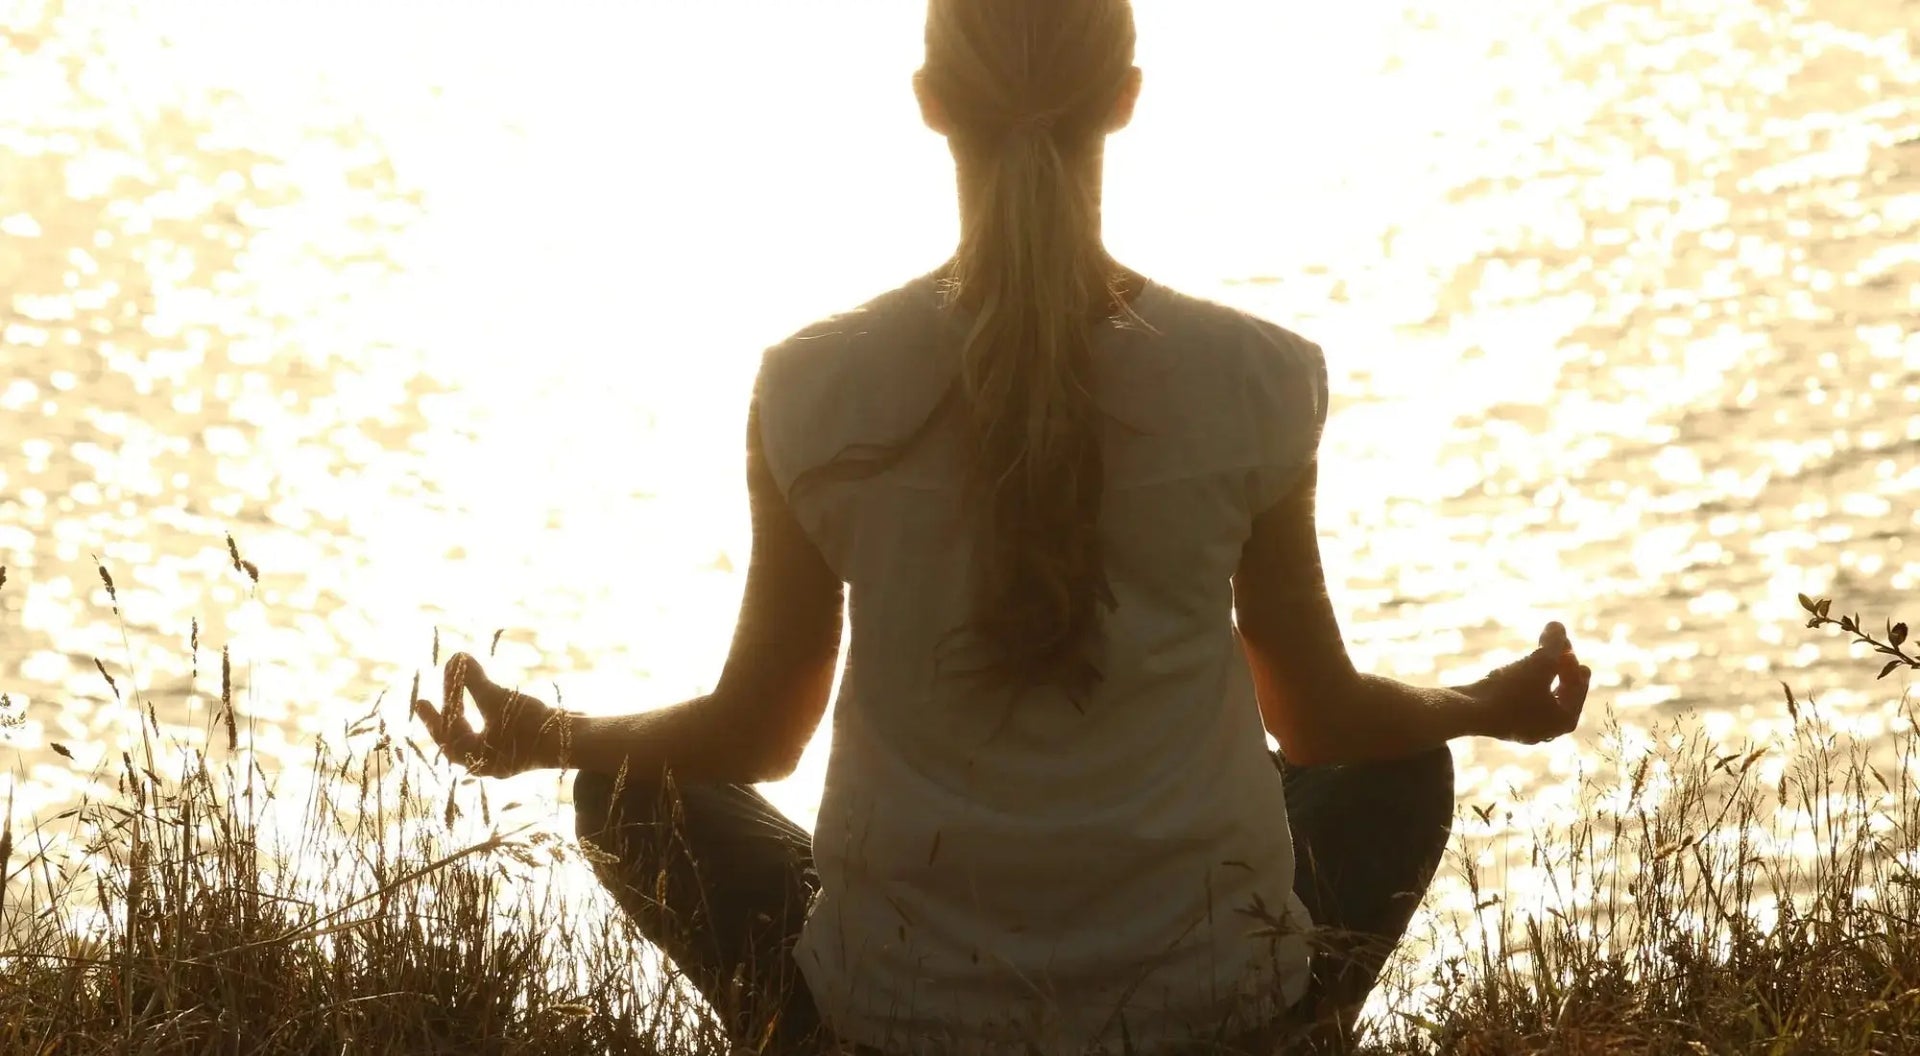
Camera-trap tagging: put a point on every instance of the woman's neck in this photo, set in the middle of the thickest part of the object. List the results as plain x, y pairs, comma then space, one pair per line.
967, 181
1128, 281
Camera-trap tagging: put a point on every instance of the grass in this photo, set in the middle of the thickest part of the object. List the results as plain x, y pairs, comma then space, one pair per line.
1758, 898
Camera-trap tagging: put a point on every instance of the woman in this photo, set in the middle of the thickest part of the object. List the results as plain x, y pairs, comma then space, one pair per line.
1050, 821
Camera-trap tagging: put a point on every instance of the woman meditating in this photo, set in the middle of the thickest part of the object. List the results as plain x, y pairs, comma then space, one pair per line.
1068, 516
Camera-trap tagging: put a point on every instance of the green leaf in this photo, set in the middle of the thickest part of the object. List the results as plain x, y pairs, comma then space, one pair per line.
1888, 670
1896, 634
1821, 608
1807, 604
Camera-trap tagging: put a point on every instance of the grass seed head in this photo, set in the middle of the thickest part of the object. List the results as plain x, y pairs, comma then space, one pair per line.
112, 594
226, 700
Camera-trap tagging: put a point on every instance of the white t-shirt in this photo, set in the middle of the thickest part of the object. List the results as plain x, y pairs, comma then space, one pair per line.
998, 874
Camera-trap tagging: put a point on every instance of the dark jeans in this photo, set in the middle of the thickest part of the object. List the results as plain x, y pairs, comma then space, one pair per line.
720, 881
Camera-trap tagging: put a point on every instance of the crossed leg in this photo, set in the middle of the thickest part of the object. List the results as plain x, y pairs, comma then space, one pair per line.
720, 880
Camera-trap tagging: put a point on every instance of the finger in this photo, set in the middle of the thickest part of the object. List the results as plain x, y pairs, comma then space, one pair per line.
1574, 685
1544, 659
465, 672
457, 740
434, 721
450, 732
1554, 636
453, 684
462, 672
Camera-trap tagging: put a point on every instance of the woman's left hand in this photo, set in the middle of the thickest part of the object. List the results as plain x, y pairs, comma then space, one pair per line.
1537, 698
521, 732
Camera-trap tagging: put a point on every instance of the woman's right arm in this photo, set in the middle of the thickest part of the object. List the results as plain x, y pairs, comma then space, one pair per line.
1321, 710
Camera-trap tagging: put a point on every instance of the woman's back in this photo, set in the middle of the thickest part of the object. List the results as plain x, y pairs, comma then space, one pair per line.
987, 855
1044, 490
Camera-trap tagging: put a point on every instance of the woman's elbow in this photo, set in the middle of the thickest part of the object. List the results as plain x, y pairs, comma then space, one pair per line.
773, 755
1308, 725
777, 765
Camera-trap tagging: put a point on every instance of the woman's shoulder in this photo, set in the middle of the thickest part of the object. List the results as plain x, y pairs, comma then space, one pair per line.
848, 329
1240, 340
851, 376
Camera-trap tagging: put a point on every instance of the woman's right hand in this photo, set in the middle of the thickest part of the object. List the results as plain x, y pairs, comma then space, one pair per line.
1537, 698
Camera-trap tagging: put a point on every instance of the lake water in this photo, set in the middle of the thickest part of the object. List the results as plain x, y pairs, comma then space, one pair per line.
450, 322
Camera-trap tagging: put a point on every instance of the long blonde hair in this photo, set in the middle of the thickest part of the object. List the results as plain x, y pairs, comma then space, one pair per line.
1028, 88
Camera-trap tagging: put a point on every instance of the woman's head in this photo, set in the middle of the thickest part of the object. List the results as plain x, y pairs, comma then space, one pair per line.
1026, 91
998, 69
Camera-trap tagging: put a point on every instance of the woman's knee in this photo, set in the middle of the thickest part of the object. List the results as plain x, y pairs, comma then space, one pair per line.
602, 800
1423, 775
1413, 794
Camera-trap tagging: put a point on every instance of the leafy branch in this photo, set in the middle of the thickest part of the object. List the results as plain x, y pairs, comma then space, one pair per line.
1817, 609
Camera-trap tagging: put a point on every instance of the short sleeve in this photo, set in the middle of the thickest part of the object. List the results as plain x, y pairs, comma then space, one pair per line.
770, 413
800, 405
1287, 410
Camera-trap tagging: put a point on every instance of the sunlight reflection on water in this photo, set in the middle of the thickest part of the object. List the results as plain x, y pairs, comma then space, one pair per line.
1618, 298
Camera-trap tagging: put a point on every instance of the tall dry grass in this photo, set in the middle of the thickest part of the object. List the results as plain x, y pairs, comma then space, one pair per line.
1704, 899
370, 901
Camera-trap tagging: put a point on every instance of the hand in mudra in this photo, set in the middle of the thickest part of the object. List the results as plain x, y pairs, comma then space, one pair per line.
1539, 697
521, 732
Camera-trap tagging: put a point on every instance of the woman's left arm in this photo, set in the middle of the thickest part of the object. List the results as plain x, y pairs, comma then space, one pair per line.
752, 727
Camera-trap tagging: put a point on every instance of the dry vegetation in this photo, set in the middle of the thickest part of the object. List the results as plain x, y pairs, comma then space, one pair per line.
384, 907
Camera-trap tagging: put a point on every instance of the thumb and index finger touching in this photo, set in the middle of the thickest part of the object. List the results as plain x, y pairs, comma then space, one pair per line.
1575, 677
1553, 671
448, 723
1556, 650
1553, 655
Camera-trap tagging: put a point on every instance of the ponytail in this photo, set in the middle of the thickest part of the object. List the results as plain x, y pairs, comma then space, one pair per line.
1028, 86
1032, 266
